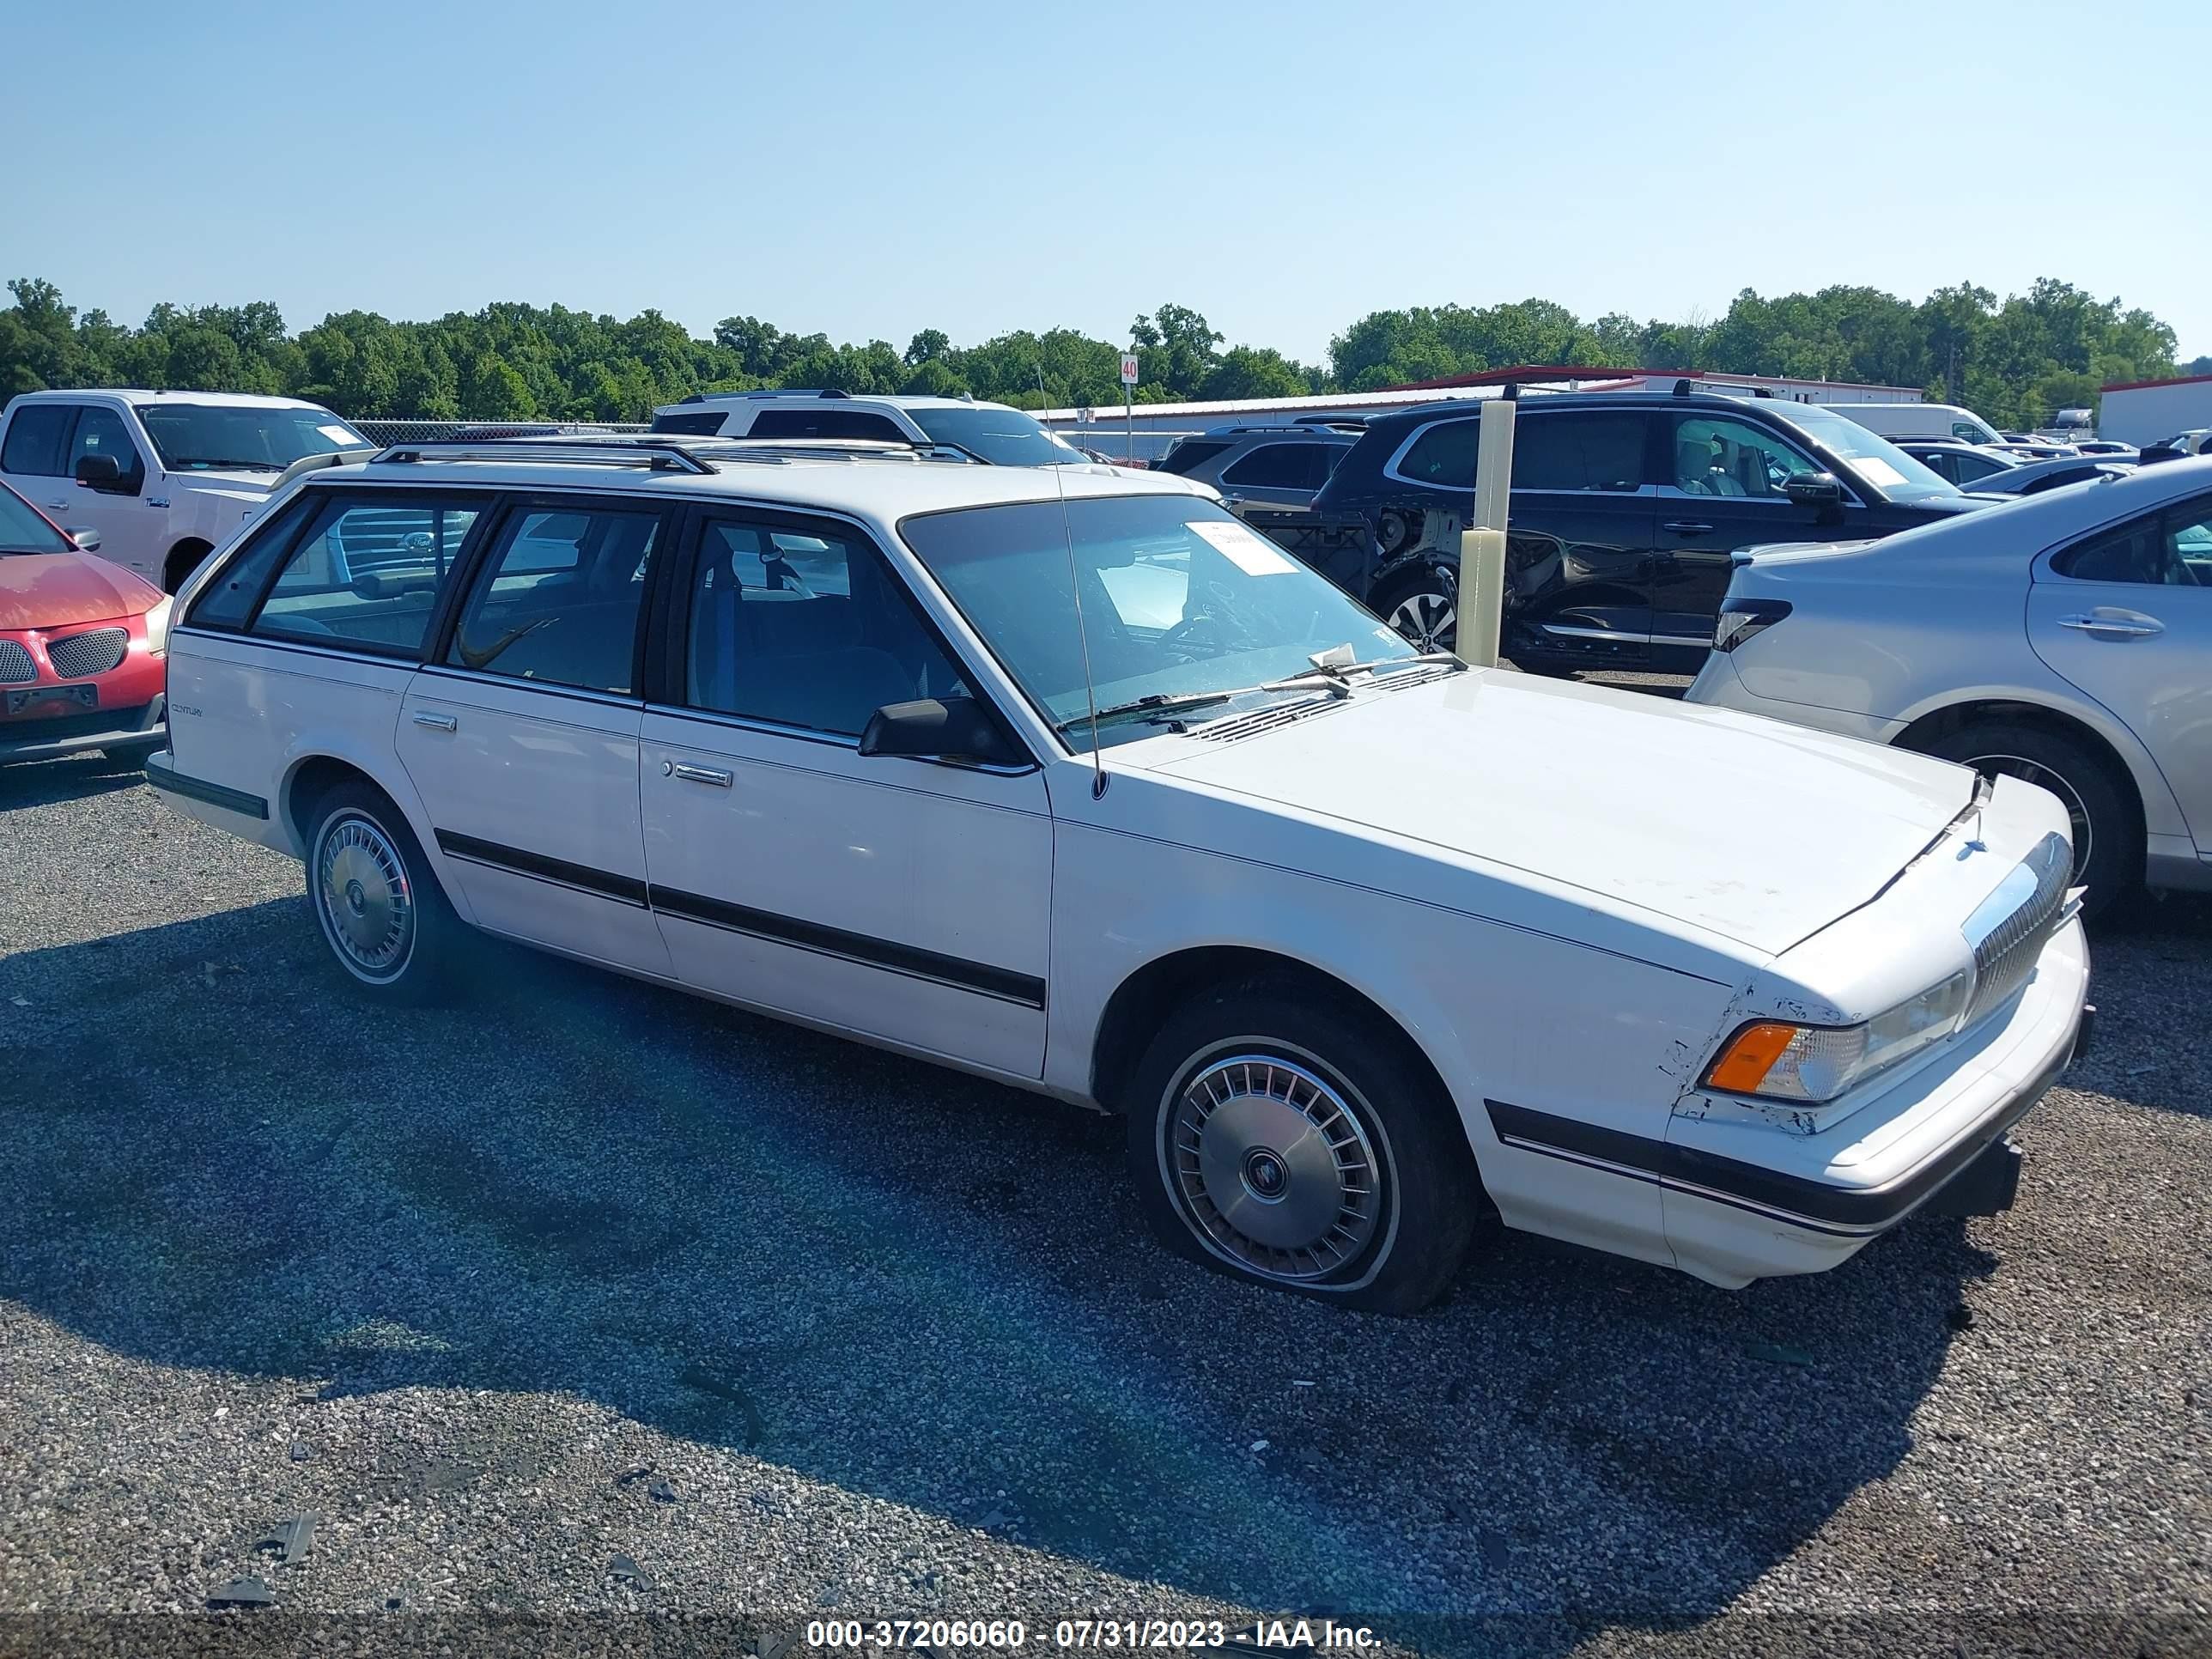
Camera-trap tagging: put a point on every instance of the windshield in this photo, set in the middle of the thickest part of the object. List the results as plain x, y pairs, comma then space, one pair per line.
205, 436
1004, 437
1179, 600
1878, 463
22, 530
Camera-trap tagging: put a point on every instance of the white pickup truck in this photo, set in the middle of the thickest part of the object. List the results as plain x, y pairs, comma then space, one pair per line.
160, 477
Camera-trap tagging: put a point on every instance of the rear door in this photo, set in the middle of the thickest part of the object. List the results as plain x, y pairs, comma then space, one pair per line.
1579, 549
893, 897
2126, 616
1724, 488
522, 736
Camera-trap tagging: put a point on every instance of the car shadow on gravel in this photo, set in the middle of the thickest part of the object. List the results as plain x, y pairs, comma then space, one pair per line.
911, 1285
79, 777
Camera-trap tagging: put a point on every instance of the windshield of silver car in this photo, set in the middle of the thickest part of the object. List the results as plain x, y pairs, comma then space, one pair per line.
1188, 614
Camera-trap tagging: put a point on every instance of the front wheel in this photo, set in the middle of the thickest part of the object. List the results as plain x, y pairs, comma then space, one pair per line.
1423, 606
1276, 1136
2101, 816
380, 910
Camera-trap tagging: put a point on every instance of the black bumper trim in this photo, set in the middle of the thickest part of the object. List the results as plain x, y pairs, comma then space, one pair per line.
162, 775
1815, 1206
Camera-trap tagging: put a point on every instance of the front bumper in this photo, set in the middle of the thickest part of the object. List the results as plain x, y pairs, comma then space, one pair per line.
1744, 1200
40, 739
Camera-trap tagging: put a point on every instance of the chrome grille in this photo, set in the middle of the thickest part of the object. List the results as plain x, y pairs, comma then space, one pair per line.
16, 667
2009, 928
93, 651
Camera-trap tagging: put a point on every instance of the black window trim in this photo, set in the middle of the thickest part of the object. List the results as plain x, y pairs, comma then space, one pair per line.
671, 691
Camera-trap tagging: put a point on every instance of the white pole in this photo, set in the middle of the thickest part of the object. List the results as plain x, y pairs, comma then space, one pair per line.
1482, 549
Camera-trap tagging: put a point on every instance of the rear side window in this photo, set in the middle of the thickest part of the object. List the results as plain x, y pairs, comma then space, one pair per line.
830, 423
2169, 549
1595, 451
227, 601
1190, 453
1281, 466
1443, 455
696, 424
557, 602
37, 438
368, 572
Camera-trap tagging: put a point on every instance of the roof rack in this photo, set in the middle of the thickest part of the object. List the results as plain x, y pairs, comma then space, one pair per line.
657, 453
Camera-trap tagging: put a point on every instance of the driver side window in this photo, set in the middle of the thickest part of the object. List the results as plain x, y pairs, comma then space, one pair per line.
806, 627
1717, 455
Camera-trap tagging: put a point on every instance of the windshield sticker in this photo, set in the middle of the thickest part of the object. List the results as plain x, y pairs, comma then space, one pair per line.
338, 434
1879, 472
1251, 553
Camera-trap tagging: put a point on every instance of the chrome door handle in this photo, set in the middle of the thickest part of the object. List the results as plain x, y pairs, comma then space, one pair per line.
436, 722
691, 774
63, 505
1687, 528
2114, 627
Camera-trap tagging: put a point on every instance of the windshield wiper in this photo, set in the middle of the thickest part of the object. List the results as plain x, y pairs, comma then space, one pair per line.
1156, 702
233, 466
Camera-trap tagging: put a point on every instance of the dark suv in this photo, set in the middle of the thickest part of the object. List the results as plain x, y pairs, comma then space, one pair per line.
1625, 508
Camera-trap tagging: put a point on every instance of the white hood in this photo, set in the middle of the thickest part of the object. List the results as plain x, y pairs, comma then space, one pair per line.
1758, 832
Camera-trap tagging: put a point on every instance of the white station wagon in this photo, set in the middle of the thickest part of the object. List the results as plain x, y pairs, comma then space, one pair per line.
1364, 944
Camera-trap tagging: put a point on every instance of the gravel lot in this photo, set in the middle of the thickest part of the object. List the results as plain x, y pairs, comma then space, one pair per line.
585, 1268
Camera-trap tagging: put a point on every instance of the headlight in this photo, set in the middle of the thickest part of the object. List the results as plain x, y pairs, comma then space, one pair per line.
157, 626
1784, 1061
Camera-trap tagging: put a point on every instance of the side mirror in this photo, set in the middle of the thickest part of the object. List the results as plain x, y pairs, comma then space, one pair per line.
87, 540
957, 730
1815, 490
101, 472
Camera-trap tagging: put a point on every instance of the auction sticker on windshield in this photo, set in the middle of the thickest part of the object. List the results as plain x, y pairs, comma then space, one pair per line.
1877, 471
1249, 551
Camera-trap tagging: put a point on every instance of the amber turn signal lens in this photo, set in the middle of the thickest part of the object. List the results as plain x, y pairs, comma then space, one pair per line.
1743, 1065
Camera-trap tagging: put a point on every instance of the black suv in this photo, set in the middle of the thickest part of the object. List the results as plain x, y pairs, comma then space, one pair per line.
1625, 508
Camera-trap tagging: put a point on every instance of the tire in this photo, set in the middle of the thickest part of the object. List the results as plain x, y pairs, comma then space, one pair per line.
361, 858
1422, 605
2105, 819
1279, 1066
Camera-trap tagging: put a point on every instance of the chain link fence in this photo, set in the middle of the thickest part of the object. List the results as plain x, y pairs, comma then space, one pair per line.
416, 432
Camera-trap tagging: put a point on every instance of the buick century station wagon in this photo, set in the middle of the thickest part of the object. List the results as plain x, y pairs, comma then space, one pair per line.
1076, 782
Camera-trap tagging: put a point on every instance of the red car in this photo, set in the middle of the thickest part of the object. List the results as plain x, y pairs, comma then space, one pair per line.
83, 647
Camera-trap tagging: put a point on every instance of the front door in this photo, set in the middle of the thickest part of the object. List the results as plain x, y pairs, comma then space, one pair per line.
522, 740
903, 899
1723, 489
130, 528
2126, 616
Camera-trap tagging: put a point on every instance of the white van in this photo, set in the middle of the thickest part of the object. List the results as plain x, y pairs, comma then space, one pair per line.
1896, 420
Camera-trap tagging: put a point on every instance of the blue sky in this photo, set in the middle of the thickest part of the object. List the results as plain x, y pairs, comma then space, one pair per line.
869, 169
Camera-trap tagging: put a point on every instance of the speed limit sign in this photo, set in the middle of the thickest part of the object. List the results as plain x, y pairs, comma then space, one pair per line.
1128, 368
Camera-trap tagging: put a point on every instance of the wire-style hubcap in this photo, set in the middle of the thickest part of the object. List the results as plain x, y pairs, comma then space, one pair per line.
368, 907
2028, 771
1428, 620
1272, 1167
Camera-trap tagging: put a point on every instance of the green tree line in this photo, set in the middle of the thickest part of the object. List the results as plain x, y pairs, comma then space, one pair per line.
2014, 361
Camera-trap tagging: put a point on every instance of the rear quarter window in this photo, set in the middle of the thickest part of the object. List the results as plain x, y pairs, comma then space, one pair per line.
1443, 455
227, 601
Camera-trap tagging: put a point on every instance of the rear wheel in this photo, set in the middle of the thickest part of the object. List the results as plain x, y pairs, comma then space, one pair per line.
380, 910
1423, 606
1277, 1137
2102, 813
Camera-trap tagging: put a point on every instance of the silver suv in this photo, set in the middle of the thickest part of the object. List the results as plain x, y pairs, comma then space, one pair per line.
1269, 469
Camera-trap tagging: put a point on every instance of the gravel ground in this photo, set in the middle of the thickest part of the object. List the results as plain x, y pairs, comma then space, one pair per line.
584, 1267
